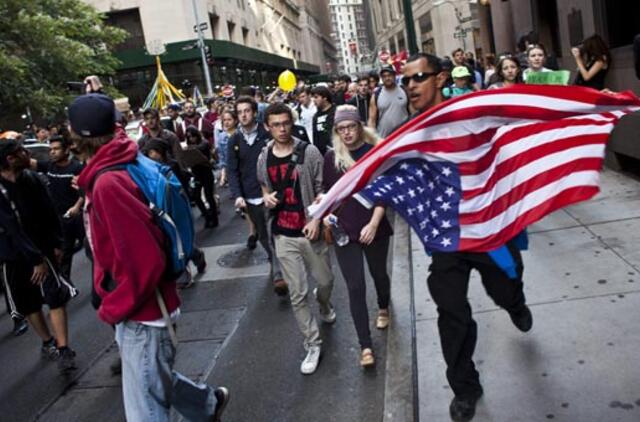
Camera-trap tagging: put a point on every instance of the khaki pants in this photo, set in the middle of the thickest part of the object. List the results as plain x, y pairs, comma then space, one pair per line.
300, 258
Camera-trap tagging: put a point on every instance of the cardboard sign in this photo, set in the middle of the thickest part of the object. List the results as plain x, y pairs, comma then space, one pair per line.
559, 77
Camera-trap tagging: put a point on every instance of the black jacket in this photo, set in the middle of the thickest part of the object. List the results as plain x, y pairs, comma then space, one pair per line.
363, 106
242, 160
38, 231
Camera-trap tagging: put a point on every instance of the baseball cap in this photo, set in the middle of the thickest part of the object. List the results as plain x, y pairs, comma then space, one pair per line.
92, 115
387, 68
460, 72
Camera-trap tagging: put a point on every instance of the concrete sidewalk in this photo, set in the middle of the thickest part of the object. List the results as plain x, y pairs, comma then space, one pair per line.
580, 361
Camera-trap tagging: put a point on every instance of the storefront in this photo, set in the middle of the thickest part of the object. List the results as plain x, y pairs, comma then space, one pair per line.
232, 63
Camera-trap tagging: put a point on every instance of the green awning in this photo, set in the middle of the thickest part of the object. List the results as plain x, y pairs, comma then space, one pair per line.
223, 52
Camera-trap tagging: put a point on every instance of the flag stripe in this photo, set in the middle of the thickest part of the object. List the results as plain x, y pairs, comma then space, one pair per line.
533, 161
502, 202
569, 196
531, 200
536, 135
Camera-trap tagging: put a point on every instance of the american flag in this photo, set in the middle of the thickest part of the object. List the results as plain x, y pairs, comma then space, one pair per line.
473, 172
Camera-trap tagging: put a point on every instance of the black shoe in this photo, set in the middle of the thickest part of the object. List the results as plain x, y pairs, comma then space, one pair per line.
199, 260
222, 396
116, 367
280, 287
462, 409
67, 360
252, 242
49, 349
211, 223
20, 326
522, 319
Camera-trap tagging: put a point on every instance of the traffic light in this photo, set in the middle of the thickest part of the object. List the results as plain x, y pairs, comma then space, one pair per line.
208, 55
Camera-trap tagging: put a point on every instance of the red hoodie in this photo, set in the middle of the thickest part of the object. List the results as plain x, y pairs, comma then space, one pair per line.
126, 243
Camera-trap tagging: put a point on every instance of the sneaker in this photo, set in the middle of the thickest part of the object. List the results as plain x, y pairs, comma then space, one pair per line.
50, 349
522, 319
382, 321
66, 361
463, 409
280, 287
20, 326
252, 242
310, 363
222, 397
327, 313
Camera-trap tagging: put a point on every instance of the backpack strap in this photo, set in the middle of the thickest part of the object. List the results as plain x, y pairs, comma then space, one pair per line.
104, 170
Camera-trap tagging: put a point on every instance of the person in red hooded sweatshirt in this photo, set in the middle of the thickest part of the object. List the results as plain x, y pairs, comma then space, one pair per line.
129, 261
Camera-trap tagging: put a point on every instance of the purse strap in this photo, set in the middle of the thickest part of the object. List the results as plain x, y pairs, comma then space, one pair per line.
167, 319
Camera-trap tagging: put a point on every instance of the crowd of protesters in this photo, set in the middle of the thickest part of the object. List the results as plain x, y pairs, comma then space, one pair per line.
270, 160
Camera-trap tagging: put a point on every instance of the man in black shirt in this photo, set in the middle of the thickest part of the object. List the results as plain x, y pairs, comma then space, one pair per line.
30, 242
362, 99
323, 119
60, 170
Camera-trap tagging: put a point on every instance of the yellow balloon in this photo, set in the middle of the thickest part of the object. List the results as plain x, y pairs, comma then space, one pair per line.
287, 81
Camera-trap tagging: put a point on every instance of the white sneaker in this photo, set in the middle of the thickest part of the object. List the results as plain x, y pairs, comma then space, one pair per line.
310, 363
327, 313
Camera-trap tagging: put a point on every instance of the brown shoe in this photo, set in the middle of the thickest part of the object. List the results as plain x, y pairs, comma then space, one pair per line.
366, 358
382, 321
280, 287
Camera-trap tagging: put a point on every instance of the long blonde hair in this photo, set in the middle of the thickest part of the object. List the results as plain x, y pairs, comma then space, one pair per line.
343, 159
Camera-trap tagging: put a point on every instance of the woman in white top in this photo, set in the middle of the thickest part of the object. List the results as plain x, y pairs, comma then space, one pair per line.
536, 57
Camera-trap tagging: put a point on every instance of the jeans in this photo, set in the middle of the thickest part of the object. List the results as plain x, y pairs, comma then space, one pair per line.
147, 359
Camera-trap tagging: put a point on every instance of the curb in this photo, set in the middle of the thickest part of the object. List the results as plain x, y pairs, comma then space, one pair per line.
400, 389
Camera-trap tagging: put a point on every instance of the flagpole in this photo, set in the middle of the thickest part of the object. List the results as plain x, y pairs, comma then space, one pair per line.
201, 45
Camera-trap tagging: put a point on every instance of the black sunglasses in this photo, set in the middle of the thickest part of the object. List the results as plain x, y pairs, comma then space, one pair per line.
417, 77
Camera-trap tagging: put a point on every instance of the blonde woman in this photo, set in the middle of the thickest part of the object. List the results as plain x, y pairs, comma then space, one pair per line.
368, 229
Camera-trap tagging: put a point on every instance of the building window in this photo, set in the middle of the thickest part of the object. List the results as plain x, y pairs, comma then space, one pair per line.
214, 21
129, 20
245, 36
231, 27
621, 22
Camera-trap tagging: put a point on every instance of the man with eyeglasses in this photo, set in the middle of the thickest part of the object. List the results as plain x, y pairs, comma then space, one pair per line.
290, 175
388, 104
448, 281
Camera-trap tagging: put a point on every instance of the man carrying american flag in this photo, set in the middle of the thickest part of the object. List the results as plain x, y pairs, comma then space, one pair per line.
469, 176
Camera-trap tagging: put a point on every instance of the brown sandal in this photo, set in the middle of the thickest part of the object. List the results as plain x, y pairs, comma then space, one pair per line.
382, 321
366, 358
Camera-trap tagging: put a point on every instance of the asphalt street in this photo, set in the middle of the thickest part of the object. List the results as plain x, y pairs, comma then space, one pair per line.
234, 331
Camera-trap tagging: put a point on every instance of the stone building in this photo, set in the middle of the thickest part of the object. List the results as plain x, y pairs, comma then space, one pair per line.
251, 41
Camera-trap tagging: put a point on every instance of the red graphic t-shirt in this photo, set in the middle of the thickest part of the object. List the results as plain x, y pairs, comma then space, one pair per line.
289, 218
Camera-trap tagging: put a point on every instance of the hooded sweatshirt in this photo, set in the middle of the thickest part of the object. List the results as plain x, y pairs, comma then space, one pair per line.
129, 260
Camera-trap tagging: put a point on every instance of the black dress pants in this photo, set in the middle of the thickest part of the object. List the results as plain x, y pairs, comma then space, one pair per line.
448, 284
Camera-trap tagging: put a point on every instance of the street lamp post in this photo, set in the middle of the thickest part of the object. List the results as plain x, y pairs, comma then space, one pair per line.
203, 54
411, 27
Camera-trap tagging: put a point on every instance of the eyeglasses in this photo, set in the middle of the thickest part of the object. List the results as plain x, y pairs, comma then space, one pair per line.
417, 77
350, 127
280, 125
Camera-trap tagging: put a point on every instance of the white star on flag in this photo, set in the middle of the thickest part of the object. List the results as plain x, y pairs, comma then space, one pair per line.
445, 206
446, 242
446, 171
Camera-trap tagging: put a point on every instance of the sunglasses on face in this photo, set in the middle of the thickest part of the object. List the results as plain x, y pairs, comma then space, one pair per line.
417, 77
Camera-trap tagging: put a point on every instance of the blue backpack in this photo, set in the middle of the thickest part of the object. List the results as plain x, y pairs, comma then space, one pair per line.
169, 205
